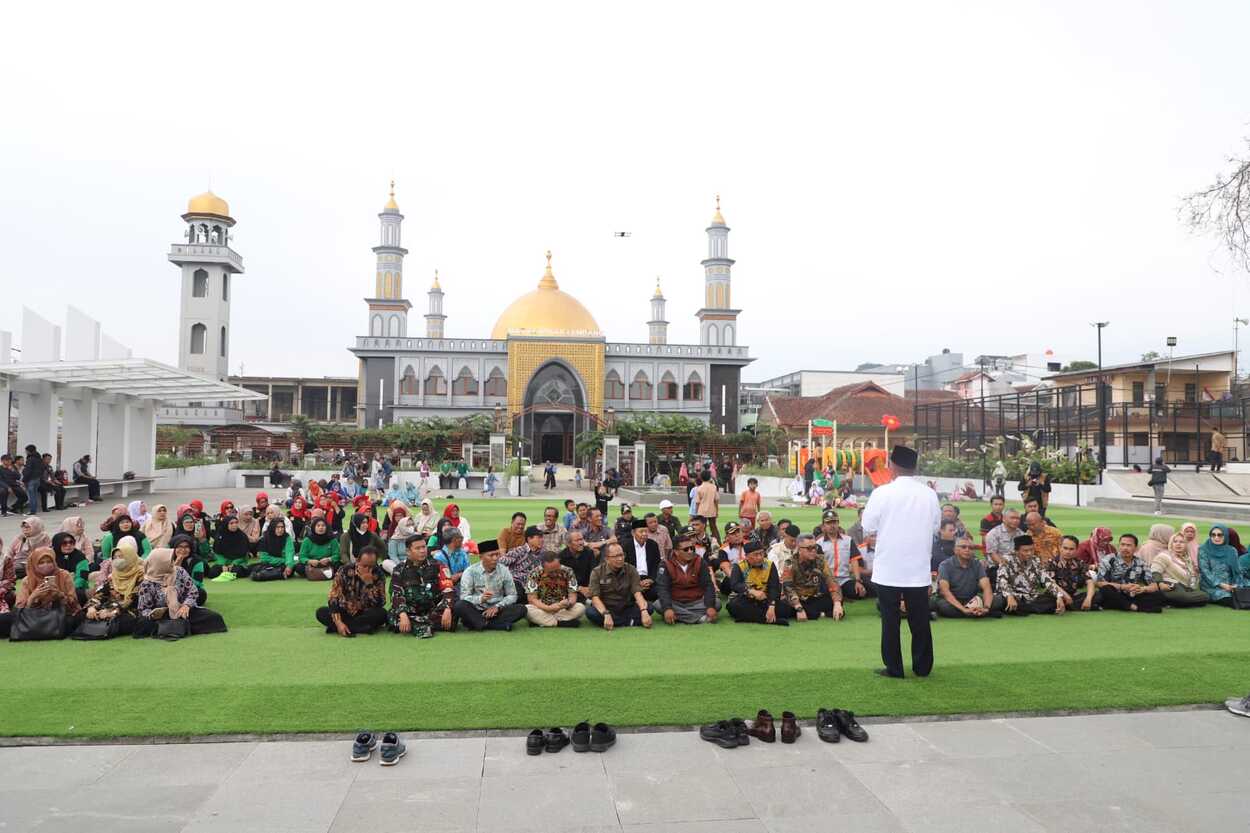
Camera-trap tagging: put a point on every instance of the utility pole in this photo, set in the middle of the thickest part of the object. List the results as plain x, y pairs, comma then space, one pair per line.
1102, 405
1237, 324
985, 475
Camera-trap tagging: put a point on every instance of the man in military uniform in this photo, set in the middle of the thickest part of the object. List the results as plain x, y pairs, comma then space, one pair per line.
616, 593
808, 585
421, 593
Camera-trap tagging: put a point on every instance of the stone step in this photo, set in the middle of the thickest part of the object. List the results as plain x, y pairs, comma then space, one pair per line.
1179, 508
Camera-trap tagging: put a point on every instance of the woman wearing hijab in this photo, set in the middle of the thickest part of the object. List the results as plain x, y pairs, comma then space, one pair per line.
277, 553
125, 527
70, 559
1159, 541
299, 516
1093, 548
452, 513
1235, 540
117, 596
138, 512
45, 586
31, 538
167, 592
159, 528
75, 526
193, 528
1218, 567
249, 525
357, 537
399, 527
1176, 575
319, 552
116, 512
426, 521
231, 550
186, 557
1190, 531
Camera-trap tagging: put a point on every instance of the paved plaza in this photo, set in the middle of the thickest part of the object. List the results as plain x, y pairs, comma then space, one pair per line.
1146, 772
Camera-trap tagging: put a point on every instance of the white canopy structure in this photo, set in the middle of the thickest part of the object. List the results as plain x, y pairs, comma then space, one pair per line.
102, 400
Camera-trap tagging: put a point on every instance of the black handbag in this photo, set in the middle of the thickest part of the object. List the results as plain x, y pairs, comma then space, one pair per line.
172, 629
33, 624
1241, 598
96, 629
268, 572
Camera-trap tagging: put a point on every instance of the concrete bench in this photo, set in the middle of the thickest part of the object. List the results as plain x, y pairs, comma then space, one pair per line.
120, 488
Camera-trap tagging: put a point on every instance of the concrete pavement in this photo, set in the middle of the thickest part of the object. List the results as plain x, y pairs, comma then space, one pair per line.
1148, 772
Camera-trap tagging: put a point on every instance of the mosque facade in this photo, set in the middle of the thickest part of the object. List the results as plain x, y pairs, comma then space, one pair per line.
546, 371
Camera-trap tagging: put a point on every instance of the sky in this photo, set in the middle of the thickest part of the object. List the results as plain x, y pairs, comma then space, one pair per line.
899, 178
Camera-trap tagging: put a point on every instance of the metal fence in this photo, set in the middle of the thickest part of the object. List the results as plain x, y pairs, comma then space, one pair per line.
1071, 418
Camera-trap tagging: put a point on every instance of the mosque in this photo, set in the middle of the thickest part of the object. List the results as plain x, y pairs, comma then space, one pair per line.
546, 372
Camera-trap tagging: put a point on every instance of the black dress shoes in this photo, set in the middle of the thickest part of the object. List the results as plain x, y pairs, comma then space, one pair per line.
849, 726
555, 739
535, 743
827, 727
581, 737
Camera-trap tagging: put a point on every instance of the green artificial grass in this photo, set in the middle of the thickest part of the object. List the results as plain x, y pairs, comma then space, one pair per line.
277, 671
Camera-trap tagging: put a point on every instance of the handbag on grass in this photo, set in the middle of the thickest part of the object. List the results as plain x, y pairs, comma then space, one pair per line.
172, 629
1241, 598
268, 572
33, 624
96, 629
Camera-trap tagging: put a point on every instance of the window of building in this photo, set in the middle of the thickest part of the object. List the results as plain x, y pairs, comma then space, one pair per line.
1139, 393
693, 389
613, 387
436, 383
199, 284
408, 382
640, 389
225, 287
1161, 393
1191, 391
668, 387
496, 384
199, 334
375, 326
465, 384
223, 342
392, 326
1141, 439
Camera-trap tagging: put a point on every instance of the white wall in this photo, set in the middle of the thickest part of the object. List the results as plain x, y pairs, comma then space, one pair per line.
195, 477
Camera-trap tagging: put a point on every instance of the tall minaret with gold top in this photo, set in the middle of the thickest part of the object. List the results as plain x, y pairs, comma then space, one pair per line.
657, 327
388, 309
718, 321
435, 318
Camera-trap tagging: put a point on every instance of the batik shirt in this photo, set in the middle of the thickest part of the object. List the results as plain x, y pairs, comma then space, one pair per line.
1046, 543
1070, 576
554, 540
151, 595
551, 588
350, 595
421, 591
522, 561
803, 580
1024, 578
1001, 542
1112, 568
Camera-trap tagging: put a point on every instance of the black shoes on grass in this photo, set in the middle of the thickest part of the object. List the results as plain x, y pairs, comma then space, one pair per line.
584, 739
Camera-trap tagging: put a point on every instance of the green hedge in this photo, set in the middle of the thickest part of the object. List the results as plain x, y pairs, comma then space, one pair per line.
168, 461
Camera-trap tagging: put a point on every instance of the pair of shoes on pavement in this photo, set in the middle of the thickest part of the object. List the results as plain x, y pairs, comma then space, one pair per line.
727, 734
1239, 706
552, 740
585, 738
393, 748
764, 728
832, 724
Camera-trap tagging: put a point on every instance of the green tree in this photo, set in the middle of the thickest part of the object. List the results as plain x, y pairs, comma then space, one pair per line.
1150, 356
1079, 365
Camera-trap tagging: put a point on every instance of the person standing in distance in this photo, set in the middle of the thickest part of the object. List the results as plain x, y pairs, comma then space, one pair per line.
904, 515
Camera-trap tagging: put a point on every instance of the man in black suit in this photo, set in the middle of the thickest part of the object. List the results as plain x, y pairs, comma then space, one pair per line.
643, 555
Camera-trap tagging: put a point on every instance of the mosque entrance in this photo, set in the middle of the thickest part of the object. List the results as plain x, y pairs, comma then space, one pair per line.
555, 438
554, 414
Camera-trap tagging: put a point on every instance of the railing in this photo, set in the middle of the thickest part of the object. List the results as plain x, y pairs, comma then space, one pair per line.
209, 252
188, 412
441, 345
691, 351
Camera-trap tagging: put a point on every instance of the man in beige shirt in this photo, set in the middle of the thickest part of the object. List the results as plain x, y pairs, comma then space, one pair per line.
1218, 443
707, 503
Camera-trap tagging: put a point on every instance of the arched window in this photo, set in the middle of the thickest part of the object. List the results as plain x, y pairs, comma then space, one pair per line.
436, 382
199, 284
199, 334
641, 387
392, 325
729, 334
668, 387
223, 342
693, 391
375, 326
408, 382
465, 384
713, 334
613, 387
496, 384
225, 287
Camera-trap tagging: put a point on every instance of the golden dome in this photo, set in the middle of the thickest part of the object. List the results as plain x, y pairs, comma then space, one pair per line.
208, 203
717, 219
546, 311
391, 205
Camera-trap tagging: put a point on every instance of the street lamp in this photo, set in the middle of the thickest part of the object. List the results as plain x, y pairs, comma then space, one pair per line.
1102, 405
1237, 324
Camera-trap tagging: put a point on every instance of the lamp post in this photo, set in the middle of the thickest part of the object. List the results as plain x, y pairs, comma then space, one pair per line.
1237, 324
1102, 405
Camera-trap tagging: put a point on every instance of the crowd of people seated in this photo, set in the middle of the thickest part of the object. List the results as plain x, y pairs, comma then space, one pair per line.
413, 571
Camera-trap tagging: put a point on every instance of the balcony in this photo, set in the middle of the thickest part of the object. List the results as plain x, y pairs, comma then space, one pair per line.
198, 415
205, 253
682, 351
437, 345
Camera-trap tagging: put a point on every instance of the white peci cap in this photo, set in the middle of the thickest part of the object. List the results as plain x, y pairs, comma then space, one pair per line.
666, 504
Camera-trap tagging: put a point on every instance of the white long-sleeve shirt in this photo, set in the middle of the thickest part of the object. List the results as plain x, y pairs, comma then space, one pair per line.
904, 515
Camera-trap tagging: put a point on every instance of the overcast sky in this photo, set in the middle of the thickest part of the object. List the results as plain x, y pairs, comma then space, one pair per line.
899, 178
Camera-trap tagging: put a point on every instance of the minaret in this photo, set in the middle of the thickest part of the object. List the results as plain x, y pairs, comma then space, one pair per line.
388, 310
207, 263
657, 325
718, 321
434, 318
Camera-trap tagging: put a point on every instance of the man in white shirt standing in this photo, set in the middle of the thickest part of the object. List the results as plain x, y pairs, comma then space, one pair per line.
904, 516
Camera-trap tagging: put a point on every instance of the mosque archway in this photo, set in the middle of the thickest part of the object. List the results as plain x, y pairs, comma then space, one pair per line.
553, 413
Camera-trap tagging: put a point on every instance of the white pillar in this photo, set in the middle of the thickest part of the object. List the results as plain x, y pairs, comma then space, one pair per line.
113, 452
36, 420
497, 450
79, 419
142, 448
640, 464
